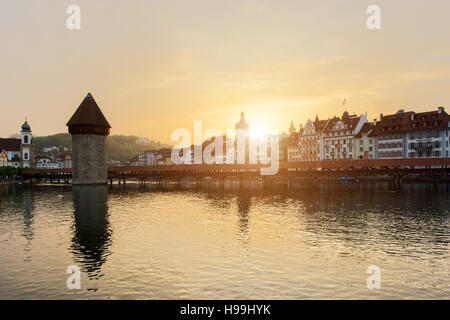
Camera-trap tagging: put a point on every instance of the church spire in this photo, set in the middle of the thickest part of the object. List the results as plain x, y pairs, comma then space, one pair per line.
292, 127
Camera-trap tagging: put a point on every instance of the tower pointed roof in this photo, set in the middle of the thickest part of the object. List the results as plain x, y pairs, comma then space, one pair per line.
242, 124
292, 127
88, 119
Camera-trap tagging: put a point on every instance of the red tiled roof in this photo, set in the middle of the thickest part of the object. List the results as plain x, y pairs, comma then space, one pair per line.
402, 122
428, 120
320, 125
350, 121
367, 127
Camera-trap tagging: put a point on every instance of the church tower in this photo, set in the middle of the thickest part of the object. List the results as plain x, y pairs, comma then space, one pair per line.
26, 146
291, 128
89, 129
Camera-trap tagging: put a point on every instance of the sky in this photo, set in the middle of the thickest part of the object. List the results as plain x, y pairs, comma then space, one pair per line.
156, 66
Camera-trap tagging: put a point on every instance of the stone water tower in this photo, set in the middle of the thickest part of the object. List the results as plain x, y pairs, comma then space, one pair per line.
89, 129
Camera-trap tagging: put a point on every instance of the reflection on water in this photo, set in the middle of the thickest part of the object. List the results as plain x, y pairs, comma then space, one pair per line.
91, 235
281, 241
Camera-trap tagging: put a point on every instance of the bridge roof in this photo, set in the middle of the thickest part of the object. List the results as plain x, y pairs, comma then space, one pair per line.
88, 114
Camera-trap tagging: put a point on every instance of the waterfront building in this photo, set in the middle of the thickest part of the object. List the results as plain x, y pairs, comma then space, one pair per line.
390, 135
427, 134
283, 147
413, 135
3, 158
338, 136
45, 162
310, 139
20, 151
146, 158
165, 156
365, 145
64, 160
293, 147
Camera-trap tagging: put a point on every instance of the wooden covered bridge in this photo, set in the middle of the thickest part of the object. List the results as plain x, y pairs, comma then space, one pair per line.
437, 168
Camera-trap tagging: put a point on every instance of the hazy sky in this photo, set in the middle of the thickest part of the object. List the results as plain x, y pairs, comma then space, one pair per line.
154, 66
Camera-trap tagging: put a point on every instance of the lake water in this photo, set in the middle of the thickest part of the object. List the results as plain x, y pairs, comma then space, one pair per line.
286, 241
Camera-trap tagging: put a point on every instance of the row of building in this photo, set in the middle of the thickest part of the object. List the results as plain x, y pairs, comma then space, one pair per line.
400, 135
19, 152
63, 160
395, 136
152, 158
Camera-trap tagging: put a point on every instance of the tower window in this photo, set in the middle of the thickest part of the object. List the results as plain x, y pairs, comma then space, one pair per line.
25, 139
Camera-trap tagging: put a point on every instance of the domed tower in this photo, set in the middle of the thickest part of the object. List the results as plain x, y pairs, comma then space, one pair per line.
89, 129
26, 146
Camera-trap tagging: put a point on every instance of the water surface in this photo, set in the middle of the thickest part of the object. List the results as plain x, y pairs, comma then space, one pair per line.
296, 241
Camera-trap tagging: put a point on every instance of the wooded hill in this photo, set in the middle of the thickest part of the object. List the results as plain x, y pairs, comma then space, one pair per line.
120, 147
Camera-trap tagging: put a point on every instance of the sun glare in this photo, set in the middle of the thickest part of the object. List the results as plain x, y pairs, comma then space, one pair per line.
258, 132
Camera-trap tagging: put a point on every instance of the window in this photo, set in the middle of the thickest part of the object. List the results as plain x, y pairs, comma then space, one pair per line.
370, 149
360, 149
25, 156
25, 139
360, 142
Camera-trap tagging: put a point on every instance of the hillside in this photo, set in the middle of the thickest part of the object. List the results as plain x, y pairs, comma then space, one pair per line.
120, 147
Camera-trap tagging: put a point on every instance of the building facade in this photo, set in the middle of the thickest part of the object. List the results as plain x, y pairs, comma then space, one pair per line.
338, 137
3, 158
390, 135
310, 139
365, 145
427, 134
293, 150
45, 162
